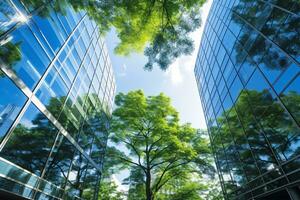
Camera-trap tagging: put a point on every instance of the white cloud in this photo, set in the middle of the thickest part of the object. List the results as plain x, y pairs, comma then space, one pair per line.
174, 73
180, 83
120, 187
183, 67
123, 71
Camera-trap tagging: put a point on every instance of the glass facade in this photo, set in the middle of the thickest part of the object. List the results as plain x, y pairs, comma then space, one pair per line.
248, 76
56, 94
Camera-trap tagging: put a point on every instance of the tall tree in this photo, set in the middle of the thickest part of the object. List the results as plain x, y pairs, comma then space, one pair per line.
159, 147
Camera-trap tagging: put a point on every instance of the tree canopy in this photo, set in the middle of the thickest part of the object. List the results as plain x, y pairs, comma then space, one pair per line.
158, 28
160, 150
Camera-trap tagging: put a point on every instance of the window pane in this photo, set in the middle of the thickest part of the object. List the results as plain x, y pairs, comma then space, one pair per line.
24, 55
11, 102
31, 141
60, 161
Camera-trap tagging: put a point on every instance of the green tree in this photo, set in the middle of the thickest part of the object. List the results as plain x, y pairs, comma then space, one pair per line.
108, 191
159, 28
136, 183
159, 147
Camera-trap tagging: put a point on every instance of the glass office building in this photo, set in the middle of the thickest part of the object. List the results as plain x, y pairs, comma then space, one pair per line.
248, 76
56, 94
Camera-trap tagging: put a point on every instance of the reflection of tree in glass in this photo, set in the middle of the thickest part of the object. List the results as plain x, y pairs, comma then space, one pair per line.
83, 178
255, 107
278, 26
91, 137
9, 54
29, 147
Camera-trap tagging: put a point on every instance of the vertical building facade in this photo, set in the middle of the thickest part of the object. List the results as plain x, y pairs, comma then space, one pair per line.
248, 76
56, 95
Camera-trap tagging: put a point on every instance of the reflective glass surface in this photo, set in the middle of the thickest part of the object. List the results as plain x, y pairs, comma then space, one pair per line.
247, 71
57, 91
11, 102
31, 141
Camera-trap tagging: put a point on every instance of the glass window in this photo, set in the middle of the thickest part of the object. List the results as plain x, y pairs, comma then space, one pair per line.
273, 62
275, 121
15, 173
246, 70
64, 22
24, 55
236, 88
285, 77
53, 91
51, 31
288, 36
60, 161
76, 178
42, 40
291, 98
221, 54
273, 25
8, 16
235, 25
31, 141
11, 102
229, 40
255, 135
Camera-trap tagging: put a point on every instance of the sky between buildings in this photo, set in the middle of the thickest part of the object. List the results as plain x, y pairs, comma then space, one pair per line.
178, 82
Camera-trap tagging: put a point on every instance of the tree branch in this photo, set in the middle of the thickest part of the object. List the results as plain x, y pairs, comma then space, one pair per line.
169, 167
134, 163
137, 153
158, 153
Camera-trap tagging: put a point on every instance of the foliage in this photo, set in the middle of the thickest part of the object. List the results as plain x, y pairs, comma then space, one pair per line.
9, 54
159, 147
108, 191
159, 28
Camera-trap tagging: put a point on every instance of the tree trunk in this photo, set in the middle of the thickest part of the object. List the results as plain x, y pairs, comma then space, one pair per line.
148, 185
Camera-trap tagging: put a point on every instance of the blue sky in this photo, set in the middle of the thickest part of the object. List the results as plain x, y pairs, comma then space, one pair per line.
178, 82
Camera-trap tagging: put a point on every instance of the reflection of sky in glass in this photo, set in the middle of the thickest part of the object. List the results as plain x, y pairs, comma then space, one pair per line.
30, 114
261, 41
12, 100
10, 15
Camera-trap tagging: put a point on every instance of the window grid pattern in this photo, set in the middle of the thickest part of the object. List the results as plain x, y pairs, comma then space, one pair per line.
248, 74
57, 87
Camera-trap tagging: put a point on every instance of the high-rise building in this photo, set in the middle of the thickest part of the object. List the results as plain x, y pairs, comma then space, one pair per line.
248, 75
56, 94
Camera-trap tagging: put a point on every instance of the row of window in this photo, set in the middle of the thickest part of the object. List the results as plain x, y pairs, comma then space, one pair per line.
248, 76
61, 57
